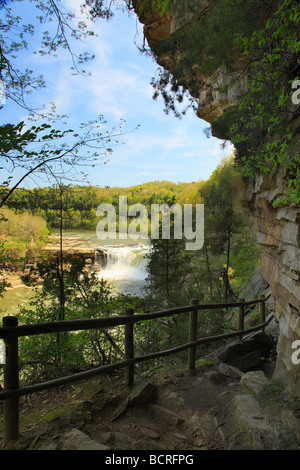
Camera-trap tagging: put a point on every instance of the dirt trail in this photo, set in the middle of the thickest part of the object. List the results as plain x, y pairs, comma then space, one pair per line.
210, 410
183, 416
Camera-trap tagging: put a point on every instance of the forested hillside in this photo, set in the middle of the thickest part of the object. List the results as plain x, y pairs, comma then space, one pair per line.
215, 273
79, 203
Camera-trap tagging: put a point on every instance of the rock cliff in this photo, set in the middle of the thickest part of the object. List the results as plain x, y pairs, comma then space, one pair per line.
277, 230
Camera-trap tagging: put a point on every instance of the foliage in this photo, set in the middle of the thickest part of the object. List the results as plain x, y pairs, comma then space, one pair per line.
259, 41
245, 257
61, 28
167, 269
209, 42
42, 149
81, 202
85, 296
263, 129
174, 94
15, 36
203, 47
148, 7
223, 217
22, 236
175, 276
213, 274
23, 226
52, 355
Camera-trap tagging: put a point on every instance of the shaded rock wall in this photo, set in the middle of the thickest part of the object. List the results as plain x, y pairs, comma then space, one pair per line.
277, 230
216, 94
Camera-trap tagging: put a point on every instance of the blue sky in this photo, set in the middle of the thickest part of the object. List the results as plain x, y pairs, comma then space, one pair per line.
162, 148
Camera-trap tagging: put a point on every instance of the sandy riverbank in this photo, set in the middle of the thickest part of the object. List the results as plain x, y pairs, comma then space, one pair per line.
13, 280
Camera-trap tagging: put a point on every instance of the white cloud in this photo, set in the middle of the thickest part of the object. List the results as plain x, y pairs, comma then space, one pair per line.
116, 87
119, 87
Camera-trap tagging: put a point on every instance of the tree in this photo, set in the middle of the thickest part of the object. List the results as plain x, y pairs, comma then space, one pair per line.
42, 149
16, 36
62, 27
42, 146
167, 269
264, 127
258, 43
205, 45
30, 228
223, 218
84, 297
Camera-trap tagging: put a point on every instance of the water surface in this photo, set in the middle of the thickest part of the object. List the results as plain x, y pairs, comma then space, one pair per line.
125, 266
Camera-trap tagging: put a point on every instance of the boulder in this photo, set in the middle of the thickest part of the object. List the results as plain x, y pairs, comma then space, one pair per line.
230, 371
252, 420
142, 393
77, 440
246, 353
254, 380
215, 376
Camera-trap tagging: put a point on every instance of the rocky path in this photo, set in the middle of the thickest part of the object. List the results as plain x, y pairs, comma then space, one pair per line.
218, 408
180, 417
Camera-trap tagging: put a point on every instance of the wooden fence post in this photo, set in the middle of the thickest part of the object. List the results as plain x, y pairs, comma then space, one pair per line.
262, 309
192, 337
11, 381
129, 349
241, 316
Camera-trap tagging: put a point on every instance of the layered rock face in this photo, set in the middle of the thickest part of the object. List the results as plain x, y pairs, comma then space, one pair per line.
277, 230
217, 94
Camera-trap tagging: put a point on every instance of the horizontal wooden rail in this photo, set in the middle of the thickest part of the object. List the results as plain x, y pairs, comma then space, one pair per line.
126, 362
11, 331
109, 322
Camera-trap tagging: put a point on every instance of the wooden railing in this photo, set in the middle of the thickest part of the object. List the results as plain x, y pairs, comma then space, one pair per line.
11, 331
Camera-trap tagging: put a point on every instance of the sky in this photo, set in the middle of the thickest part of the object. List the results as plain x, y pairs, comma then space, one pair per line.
155, 146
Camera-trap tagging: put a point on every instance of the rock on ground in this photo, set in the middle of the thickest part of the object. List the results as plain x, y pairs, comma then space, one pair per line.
77, 440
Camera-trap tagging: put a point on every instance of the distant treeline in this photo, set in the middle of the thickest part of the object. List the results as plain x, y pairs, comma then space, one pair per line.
78, 204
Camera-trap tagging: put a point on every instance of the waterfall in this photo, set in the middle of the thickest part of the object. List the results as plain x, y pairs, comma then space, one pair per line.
124, 265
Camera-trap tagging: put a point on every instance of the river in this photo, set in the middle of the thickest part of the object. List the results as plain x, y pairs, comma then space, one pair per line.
125, 266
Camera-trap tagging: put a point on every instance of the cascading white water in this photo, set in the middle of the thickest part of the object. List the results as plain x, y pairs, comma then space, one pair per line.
125, 266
